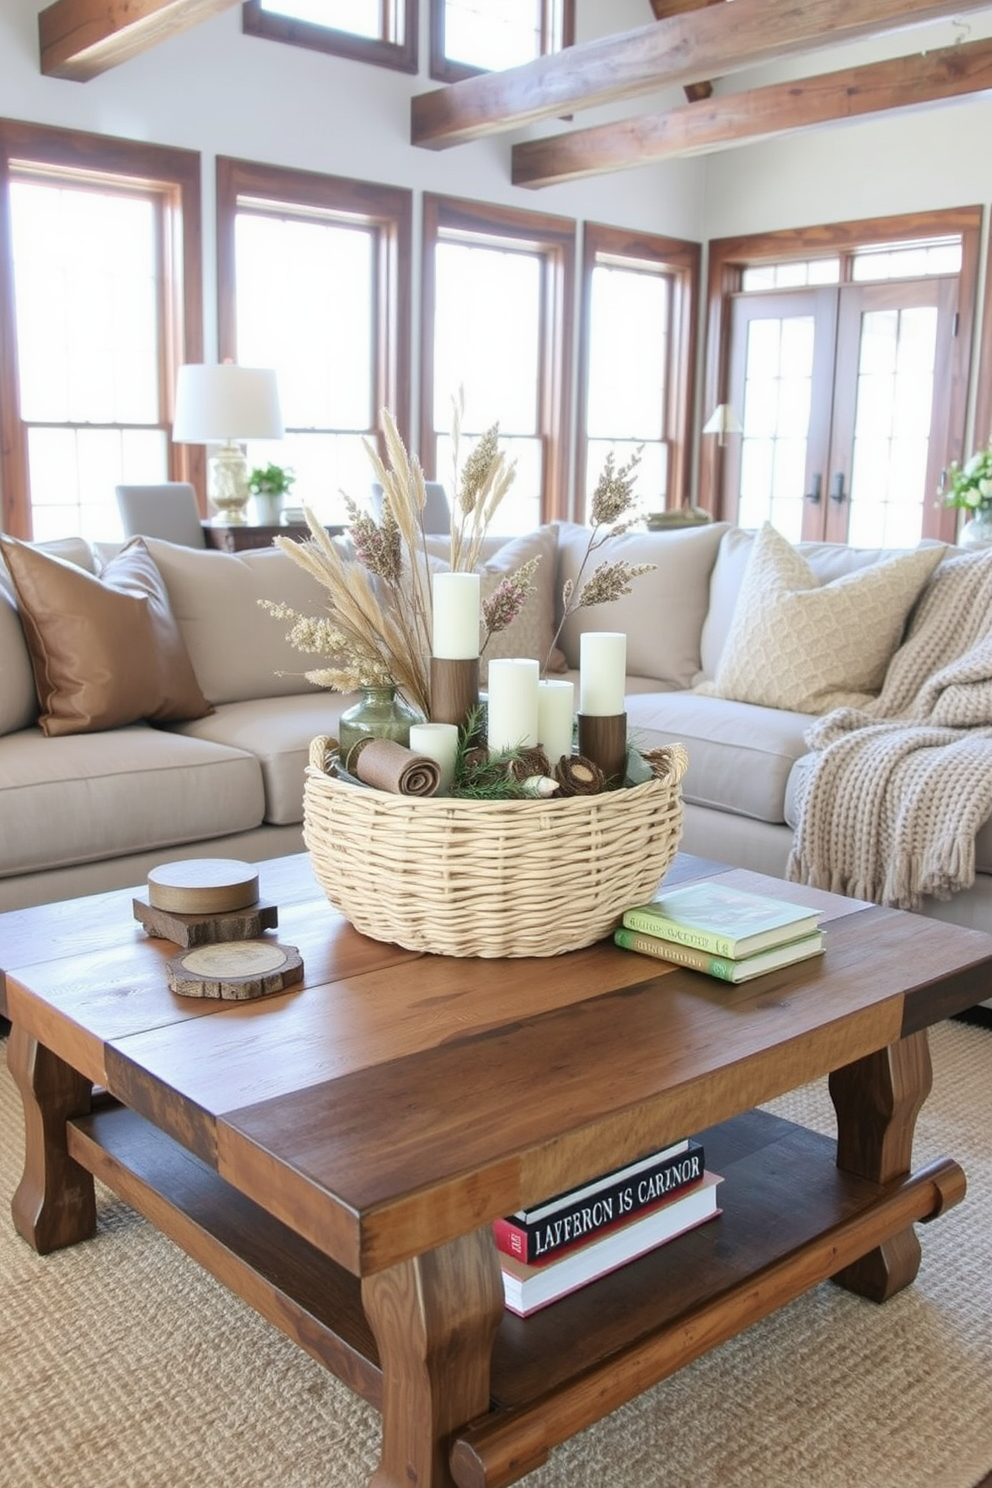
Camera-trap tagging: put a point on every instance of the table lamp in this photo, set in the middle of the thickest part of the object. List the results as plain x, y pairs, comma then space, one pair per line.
223, 404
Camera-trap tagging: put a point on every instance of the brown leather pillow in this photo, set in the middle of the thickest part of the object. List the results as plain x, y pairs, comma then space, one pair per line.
106, 651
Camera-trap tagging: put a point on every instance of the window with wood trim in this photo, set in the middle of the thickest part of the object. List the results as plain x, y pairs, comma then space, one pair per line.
101, 300
496, 306
845, 352
472, 36
639, 294
314, 280
382, 32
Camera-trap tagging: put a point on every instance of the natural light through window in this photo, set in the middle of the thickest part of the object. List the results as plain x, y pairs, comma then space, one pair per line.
777, 391
487, 342
305, 306
362, 17
628, 369
87, 350
492, 34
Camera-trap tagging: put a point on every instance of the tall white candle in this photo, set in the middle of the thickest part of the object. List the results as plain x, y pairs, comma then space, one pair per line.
456, 609
439, 742
512, 703
555, 717
602, 673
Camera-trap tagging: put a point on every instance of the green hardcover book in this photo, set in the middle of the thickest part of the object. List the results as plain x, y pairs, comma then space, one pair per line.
721, 966
725, 921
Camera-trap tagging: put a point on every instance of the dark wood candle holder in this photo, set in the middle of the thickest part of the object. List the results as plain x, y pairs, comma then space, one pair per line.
604, 741
454, 689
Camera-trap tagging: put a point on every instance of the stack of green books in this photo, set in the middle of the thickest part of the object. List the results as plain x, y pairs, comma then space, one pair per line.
726, 932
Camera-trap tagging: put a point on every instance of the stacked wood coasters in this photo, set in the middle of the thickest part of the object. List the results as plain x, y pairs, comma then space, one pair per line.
210, 906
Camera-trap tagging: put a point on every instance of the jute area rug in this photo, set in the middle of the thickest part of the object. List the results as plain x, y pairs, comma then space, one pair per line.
124, 1365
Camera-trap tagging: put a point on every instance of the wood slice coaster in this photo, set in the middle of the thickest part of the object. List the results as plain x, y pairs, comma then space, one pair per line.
236, 970
204, 929
203, 886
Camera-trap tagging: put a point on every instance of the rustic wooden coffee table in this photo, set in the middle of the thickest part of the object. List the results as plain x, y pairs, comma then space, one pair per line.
335, 1153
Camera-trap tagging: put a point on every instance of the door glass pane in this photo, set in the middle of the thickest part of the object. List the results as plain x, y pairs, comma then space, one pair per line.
892, 426
778, 376
305, 306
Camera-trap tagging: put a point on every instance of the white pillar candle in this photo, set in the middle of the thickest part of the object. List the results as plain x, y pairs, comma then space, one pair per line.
555, 717
512, 703
456, 608
439, 742
602, 673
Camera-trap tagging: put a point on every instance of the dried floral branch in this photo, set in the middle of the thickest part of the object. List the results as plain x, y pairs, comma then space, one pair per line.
507, 600
609, 515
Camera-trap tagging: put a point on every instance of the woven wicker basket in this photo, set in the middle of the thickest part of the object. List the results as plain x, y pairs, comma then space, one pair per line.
490, 878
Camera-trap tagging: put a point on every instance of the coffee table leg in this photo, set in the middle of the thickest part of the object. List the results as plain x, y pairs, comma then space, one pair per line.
877, 1101
55, 1204
434, 1319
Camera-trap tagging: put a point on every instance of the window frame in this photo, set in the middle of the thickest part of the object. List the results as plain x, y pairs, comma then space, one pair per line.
681, 260
444, 71
401, 56
554, 238
388, 209
729, 256
172, 174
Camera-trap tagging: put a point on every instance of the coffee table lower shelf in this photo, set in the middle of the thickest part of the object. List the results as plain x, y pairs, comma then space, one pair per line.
790, 1219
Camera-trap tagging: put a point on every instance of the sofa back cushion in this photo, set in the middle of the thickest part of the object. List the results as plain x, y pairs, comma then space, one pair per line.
829, 561
808, 647
238, 650
664, 612
105, 651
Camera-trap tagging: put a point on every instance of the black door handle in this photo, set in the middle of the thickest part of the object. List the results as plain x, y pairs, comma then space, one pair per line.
816, 489
837, 492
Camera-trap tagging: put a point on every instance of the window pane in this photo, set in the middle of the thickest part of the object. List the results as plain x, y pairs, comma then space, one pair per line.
628, 354
487, 337
362, 17
777, 401
492, 34
520, 509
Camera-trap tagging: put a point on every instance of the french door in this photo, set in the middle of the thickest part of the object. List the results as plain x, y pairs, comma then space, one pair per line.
844, 394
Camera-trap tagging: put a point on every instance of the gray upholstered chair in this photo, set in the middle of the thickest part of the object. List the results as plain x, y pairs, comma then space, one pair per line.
437, 512
168, 511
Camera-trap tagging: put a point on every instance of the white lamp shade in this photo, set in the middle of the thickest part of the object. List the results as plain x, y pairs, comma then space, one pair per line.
222, 403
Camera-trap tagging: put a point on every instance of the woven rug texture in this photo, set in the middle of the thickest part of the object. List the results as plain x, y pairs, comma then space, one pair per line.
123, 1364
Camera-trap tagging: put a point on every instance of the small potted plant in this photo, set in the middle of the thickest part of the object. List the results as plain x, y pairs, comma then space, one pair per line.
269, 484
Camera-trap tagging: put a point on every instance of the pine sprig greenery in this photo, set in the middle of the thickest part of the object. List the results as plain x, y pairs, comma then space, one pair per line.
610, 516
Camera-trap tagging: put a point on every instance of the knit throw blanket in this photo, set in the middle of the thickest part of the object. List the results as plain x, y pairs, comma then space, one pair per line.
895, 792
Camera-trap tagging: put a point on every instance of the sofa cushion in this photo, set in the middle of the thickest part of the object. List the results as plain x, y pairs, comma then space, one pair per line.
18, 698
277, 731
798, 644
664, 612
828, 561
238, 650
740, 755
83, 797
105, 651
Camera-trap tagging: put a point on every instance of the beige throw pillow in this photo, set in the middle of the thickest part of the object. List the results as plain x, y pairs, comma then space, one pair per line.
798, 644
105, 651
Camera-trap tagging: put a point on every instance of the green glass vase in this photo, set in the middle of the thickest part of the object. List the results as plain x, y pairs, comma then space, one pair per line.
380, 713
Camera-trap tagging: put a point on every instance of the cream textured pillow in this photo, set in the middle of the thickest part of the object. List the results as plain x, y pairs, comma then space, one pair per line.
105, 651
797, 644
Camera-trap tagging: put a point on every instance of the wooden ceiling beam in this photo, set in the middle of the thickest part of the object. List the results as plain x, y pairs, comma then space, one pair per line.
742, 118
685, 48
665, 8
79, 39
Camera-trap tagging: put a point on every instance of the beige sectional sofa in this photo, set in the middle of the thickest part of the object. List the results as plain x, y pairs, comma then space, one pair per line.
88, 811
